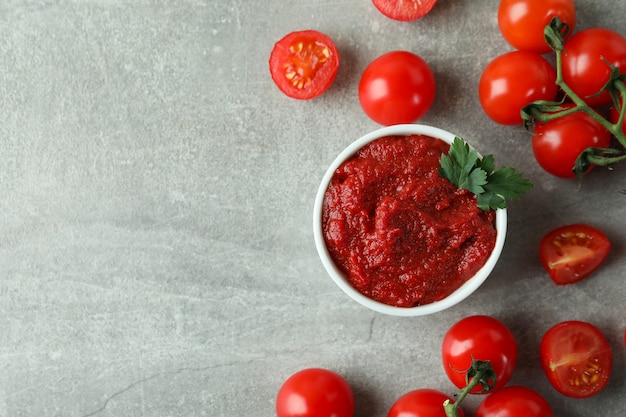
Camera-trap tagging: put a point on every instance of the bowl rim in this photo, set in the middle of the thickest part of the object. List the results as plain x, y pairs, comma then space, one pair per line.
337, 275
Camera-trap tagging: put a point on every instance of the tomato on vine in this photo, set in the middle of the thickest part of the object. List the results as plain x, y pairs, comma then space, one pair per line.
513, 80
515, 401
421, 403
585, 62
404, 10
558, 143
397, 87
479, 338
315, 392
304, 64
522, 22
576, 358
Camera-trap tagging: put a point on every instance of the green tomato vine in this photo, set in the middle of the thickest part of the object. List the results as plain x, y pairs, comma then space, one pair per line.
543, 111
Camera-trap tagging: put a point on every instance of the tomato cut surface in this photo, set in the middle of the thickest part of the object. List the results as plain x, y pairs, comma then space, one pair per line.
304, 64
576, 358
572, 252
404, 10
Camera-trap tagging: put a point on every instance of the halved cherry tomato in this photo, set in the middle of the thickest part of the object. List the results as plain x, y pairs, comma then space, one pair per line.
514, 401
304, 64
397, 87
585, 68
421, 403
482, 338
576, 358
404, 10
557, 143
315, 392
572, 252
513, 80
522, 22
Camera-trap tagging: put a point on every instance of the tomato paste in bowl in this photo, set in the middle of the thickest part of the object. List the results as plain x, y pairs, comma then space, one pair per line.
395, 235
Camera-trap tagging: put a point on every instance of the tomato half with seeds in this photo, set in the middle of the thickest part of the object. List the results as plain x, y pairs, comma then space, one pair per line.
315, 392
304, 64
513, 80
404, 10
576, 358
571, 253
522, 22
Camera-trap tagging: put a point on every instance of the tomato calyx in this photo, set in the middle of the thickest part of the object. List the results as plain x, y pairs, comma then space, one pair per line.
544, 111
479, 373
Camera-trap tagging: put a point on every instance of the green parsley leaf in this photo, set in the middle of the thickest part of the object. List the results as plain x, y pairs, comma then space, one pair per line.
464, 168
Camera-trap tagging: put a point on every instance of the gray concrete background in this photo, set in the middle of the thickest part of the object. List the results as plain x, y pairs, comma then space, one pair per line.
156, 190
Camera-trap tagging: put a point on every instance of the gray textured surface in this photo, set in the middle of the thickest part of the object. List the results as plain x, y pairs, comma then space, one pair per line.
156, 190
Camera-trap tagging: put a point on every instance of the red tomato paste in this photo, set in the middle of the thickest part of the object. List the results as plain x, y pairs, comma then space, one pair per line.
402, 234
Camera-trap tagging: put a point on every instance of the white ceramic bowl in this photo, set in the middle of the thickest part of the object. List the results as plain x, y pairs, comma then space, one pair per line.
338, 276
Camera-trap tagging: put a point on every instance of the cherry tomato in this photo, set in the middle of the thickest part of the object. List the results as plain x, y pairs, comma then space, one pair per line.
576, 358
397, 87
585, 68
514, 402
404, 10
522, 22
304, 64
557, 143
513, 80
315, 392
571, 253
482, 338
421, 403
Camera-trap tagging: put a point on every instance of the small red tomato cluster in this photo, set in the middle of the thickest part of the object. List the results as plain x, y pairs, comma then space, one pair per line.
514, 80
397, 87
479, 355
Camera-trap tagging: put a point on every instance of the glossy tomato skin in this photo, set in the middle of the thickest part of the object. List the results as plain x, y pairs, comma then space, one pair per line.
304, 64
584, 68
421, 403
572, 252
513, 80
483, 338
514, 401
397, 87
522, 22
576, 358
404, 10
315, 392
557, 143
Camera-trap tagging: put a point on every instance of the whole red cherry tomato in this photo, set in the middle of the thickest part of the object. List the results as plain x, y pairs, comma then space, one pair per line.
514, 402
304, 64
513, 80
315, 392
572, 252
421, 403
482, 338
576, 358
557, 143
397, 87
404, 10
522, 22
585, 68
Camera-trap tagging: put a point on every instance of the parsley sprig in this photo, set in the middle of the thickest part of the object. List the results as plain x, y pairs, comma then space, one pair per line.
463, 167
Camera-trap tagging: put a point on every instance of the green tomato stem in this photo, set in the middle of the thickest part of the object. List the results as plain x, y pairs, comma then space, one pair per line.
480, 373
